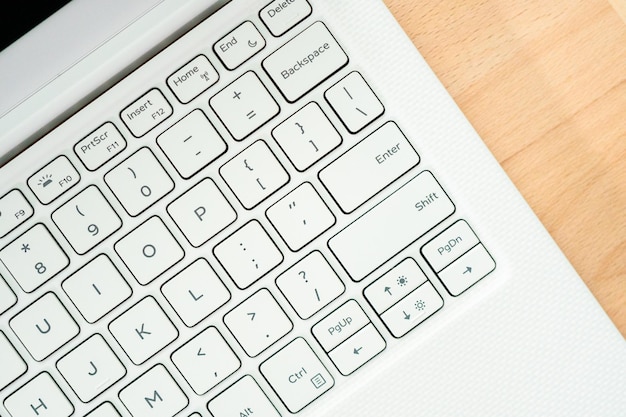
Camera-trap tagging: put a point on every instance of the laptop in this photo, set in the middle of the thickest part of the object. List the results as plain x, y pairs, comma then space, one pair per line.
253, 208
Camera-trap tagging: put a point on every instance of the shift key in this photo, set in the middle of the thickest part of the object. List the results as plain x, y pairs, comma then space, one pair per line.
368, 167
392, 225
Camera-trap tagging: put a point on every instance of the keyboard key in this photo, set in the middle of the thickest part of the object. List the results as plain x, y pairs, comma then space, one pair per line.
149, 250
238, 46
139, 181
91, 368
279, 16
248, 254
155, 393
306, 136
202, 212
96, 288
143, 330
41, 396
86, 220
297, 375
34, 258
258, 322
13, 366
305, 61
357, 350
7, 296
54, 179
44, 326
254, 174
244, 105
193, 78
14, 210
300, 216
243, 398
373, 163
394, 285
354, 102
191, 143
100, 146
339, 325
147, 112
392, 225
467, 270
104, 410
310, 284
206, 360
412, 310
449, 245
196, 292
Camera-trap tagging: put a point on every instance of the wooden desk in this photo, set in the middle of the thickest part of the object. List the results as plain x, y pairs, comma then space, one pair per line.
544, 84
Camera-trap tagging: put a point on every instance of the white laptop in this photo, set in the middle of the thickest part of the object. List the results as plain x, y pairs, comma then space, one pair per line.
262, 209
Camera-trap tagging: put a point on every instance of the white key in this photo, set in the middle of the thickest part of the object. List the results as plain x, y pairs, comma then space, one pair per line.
394, 285
196, 292
44, 326
254, 174
300, 216
91, 368
467, 270
238, 46
100, 146
147, 112
143, 330
104, 410
306, 136
96, 288
449, 245
202, 212
34, 258
305, 61
154, 393
40, 397
14, 210
392, 225
190, 80
191, 143
279, 16
248, 254
244, 105
357, 350
310, 284
258, 322
149, 250
13, 366
86, 220
54, 179
206, 360
412, 310
244, 397
372, 164
339, 325
139, 181
7, 296
297, 375
354, 102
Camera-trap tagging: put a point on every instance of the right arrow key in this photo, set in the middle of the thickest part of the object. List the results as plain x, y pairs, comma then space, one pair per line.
467, 270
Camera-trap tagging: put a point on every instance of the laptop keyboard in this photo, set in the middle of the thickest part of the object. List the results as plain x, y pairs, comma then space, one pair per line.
237, 240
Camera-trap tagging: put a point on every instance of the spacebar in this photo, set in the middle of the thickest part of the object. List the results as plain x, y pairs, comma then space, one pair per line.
392, 225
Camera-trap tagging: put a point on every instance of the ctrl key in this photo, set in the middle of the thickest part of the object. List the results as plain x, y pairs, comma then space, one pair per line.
297, 375
243, 398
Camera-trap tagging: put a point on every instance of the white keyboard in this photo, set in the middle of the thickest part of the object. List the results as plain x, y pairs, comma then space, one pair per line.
236, 228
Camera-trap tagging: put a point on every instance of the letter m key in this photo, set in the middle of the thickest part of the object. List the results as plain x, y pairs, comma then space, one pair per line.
154, 398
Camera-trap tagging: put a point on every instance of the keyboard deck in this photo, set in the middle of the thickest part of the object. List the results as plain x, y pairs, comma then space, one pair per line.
236, 228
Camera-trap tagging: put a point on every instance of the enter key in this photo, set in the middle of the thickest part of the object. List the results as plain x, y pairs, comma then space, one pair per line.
368, 167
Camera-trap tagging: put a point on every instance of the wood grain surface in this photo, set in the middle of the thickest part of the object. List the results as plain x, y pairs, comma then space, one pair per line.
544, 84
